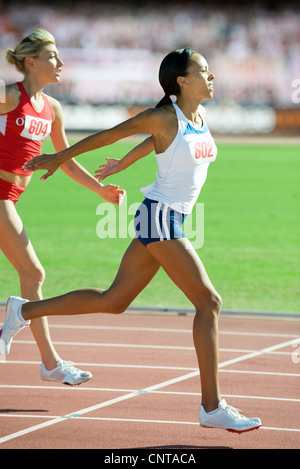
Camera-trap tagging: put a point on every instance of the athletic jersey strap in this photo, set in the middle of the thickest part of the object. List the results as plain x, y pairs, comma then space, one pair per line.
22, 132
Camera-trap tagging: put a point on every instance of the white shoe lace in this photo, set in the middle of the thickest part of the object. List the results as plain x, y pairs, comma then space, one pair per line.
234, 411
67, 366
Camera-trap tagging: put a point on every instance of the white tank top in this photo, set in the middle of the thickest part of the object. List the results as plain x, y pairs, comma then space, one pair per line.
182, 168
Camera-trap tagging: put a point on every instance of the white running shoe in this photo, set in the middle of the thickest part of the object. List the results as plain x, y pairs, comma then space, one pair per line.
13, 324
65, 373
227, 418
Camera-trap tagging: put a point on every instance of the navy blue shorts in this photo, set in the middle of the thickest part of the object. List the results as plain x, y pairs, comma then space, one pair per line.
156, 221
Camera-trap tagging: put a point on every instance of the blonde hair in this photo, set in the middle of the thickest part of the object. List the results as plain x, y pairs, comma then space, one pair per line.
30, 46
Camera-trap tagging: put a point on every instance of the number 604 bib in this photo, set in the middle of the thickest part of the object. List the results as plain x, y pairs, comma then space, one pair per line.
36, 128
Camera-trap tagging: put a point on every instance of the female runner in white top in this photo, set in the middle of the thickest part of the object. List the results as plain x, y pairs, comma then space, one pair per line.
183, 73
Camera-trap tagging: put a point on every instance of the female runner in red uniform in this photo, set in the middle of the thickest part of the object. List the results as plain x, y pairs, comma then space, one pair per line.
26, 118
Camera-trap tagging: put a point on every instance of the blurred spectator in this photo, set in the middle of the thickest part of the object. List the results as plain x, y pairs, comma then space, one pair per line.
112, 50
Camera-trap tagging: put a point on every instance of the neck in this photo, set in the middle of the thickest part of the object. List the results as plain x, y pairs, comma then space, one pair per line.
33, 87
190, 108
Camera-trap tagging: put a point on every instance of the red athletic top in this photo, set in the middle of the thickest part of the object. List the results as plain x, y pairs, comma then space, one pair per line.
21, 133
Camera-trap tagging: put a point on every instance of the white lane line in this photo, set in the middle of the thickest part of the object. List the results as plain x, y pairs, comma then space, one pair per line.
145, 346
112, 365
157, 329
105, 344
141, 392
120, 390
257, 353
164, 330
159, 367
114, 419
80, 412
265, 373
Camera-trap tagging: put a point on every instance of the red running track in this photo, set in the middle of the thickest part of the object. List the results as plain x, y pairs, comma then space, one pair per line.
145, 387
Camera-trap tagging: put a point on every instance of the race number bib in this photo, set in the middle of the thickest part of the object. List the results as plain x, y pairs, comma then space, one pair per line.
36, 128
204, 149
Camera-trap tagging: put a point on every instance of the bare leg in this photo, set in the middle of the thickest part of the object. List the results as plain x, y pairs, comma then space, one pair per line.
136, 270
183, 266
18, 250
181, 263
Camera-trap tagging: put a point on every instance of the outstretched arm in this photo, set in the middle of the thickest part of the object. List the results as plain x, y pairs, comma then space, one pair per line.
115, 165
72, 168
147, 121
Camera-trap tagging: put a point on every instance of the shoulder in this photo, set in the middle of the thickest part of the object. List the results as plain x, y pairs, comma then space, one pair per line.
155, 121
161, 115
164, 119
13, 91
55, 107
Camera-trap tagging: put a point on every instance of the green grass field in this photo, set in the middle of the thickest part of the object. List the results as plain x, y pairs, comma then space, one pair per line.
251, 244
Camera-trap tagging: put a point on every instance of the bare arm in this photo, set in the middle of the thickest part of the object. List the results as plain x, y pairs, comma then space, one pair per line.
115, 165
147, 121
72, 168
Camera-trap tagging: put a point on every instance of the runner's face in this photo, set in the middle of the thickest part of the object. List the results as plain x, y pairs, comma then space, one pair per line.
199, 79
48, 64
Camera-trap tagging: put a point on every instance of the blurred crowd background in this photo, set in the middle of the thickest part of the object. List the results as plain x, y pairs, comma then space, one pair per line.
112, 51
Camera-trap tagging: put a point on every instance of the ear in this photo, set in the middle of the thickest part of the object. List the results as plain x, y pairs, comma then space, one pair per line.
182, 81
29, 62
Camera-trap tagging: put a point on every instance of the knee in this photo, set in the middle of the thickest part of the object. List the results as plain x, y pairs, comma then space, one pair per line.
38, 276
33, 277
112, 304
216, 302
210, 304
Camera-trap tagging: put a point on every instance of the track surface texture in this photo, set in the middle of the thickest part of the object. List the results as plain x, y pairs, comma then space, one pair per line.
145, 390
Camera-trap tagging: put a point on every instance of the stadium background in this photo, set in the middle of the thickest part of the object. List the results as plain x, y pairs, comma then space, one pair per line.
112, 51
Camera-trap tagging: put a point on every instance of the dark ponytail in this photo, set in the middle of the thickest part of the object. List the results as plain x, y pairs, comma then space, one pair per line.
175, 64
165, 100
